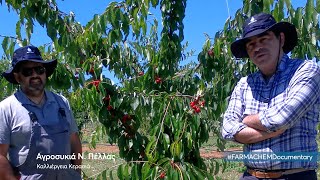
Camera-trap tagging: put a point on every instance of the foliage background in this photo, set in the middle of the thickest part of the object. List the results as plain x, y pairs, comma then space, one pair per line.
161, 112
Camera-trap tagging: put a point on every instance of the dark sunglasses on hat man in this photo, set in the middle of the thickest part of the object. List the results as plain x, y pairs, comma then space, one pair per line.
259, 24
29, 53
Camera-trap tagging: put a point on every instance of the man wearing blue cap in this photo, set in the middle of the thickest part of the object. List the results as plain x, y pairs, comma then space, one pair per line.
274, 111
38, 135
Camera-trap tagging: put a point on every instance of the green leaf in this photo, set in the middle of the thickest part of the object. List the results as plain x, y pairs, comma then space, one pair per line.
146, 171
318, 6
309, 12
120, 171
12, 46
162, 162
125, 25
126, 171
110, 175
217, 165
288, 3
104, 175
189, 140
166, 141
150, 150
154, 3
135, 172
103, 23
18, 32
143, 25
266, 6
130, 143
135, 104
5, 43
298, 18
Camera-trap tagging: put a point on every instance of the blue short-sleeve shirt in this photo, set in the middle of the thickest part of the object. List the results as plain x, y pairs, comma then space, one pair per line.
15, 123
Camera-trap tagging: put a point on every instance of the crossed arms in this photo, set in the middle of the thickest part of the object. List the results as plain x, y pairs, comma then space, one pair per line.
255, 131
302, 95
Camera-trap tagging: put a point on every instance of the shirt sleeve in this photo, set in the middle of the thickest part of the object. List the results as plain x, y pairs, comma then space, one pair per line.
5, 126
303, 92
232, 120
73, 124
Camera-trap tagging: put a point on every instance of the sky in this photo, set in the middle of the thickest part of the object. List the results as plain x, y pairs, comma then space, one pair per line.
201, 17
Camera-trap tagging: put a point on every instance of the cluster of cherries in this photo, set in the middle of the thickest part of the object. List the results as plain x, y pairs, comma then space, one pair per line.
196, 104
158, 80
125, 118
95, 83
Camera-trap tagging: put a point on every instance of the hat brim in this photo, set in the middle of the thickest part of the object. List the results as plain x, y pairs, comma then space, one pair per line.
50, 66
238, 47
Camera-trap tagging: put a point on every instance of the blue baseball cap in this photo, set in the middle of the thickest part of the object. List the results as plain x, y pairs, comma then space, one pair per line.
28, 53
259, 24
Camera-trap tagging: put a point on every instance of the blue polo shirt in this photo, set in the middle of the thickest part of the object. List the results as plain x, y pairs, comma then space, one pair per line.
15, 123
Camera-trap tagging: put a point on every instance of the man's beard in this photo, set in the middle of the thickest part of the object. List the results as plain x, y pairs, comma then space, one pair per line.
38, 86
34, 88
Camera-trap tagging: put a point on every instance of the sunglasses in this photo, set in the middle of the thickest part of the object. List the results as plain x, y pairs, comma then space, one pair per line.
26, 72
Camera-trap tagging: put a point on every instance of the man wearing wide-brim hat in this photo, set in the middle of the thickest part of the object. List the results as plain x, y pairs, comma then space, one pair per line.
274, 112
37, 130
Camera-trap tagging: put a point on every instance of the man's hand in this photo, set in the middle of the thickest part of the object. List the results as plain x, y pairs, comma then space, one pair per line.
76, 148
277, 133
6, 172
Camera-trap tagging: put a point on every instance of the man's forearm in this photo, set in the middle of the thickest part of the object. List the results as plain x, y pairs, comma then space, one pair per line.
76, 148
6, 172
254, 122
250, 135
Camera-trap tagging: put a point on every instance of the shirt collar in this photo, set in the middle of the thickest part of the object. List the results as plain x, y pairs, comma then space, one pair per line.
25, 100
283, 63
282, 66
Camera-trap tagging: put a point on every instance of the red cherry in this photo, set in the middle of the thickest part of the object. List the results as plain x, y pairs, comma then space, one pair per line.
211, 53
162, 175
125, 118
192, 104
197, 110
141, 73
202, 103
158, 80
194, 107
109, 108
96, 83
106, 99
91, 71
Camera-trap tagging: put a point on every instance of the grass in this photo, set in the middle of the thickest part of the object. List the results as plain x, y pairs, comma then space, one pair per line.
93, 167
96, 166
231, 171
225, 171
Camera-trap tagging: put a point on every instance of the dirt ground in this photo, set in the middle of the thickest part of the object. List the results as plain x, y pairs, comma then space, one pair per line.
107, 148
